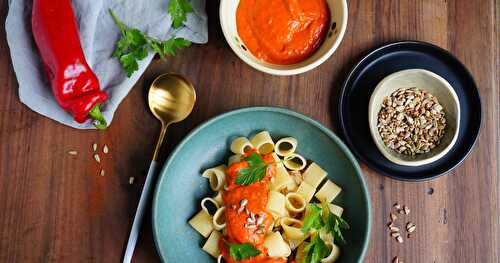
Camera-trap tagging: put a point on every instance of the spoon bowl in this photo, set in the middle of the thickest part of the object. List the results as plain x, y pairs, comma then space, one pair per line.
171, 98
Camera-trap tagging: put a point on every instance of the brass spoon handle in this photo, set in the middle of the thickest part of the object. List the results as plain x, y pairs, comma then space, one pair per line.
159, 143
141, 207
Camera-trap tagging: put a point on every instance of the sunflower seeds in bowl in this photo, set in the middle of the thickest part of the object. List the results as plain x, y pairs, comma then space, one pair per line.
414, 117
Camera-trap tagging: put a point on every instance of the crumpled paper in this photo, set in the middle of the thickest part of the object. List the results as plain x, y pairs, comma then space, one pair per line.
98, 34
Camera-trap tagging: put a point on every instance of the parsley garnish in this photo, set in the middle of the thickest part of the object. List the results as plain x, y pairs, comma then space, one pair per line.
255, 172
334, 224
178, 10
135, 45
313, 218
315, 250
242, 251
321, 217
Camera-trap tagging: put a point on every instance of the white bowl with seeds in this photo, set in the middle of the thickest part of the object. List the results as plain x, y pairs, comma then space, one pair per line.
414, 117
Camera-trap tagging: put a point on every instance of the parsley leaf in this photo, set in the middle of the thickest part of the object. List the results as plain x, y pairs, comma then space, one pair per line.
134, 46
178, 10
242, 251
315, 250
334, 224
313, 219
255, 172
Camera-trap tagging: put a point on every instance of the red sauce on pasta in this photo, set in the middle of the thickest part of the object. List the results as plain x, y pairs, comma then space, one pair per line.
256, 195
282, 31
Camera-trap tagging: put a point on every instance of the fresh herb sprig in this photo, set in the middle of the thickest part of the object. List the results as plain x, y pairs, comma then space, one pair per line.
178, 10
315, 250
255, 172
242, 251
321, 217
134, 45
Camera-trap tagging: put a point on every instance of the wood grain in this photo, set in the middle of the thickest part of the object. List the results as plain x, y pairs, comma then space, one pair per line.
55, 207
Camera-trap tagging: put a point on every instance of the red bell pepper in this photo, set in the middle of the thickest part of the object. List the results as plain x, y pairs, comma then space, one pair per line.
74, 84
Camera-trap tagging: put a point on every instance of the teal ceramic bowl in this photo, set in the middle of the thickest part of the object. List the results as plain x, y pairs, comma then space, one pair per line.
180, 186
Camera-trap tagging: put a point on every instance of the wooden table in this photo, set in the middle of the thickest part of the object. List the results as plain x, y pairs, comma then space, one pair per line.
55, 208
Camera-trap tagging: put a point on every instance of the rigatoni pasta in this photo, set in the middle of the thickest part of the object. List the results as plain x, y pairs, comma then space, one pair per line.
264, 206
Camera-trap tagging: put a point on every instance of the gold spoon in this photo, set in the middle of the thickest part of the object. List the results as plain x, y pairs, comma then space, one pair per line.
171, 99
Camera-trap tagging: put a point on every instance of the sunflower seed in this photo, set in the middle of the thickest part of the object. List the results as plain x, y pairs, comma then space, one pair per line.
105, 149
394, 228
97, 158
410, 227
397, 206
393, 217
395, 260
131, 180
406, 210
395, 234
390, 224
399, 239
72, 152
243, 202
401, 211
94, 147
102, 172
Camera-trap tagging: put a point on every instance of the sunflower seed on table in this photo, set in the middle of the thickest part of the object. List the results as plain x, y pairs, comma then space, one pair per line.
410, 227
102, 173
97, 158
399, 239
72, 152
395, 260
94, 147
105, 149
394, 228
393, 217
406, 210
395, 234
397, 206
131, 180
411, 121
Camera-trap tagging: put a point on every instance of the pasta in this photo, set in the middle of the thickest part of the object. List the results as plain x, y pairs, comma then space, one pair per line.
292, 228
211, 246
328, 191
295, 162
202, 222
295, 203
314, 175
306, 190
234, 159
281, 180
286, 146
276, 204
209, 210
263, 142
216, 176
241, 145
276, 246
262, 205
219, 220
334, 253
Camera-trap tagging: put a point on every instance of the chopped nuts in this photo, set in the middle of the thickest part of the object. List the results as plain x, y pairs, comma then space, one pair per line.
411, 121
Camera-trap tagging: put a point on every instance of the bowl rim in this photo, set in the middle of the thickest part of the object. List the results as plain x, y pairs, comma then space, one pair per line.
281, 110
294, 71
374, 132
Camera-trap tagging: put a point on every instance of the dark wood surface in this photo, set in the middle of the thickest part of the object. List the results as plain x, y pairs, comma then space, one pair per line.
55, 207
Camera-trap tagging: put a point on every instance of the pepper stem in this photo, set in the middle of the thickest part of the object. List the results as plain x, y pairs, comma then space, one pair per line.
96, 114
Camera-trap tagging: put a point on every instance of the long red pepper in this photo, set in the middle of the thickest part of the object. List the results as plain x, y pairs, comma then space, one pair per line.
74, 84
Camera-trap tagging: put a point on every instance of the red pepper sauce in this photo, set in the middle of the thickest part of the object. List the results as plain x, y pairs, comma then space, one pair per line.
282, 31
236, 219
